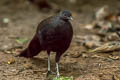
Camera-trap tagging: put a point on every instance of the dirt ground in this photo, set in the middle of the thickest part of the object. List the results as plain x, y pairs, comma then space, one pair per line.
76, 61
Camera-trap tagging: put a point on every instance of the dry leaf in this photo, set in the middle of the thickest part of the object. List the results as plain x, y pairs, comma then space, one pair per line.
114, 57
115, 77
107, 47
11, 61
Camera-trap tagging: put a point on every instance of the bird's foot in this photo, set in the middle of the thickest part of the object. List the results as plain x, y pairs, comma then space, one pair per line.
58, 75
49, 73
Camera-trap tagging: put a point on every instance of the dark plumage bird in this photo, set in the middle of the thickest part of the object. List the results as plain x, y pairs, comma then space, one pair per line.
53, 34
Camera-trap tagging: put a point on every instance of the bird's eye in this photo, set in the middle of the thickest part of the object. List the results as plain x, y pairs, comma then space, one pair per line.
67, 15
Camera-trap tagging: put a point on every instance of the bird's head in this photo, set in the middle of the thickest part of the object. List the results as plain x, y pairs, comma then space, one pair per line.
65, 15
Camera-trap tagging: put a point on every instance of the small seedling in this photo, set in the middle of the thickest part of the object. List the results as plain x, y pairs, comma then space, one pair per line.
63, 78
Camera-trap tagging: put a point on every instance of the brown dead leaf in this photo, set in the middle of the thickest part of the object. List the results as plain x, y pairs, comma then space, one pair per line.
107, 47
114, 57
115, 77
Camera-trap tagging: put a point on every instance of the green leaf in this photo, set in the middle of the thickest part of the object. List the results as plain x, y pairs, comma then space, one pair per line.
63, 78
21, 40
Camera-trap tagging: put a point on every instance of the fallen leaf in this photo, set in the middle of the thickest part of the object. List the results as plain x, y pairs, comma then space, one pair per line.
63, 78
11, 61
114, 57
115, 77
107, 47
21, 40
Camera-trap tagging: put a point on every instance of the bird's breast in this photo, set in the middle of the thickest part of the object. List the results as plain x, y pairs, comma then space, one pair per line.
56, 36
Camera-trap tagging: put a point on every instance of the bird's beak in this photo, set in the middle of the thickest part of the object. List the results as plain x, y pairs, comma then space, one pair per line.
71, 18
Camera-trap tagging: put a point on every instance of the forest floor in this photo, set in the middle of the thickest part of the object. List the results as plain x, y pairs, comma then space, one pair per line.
76, 61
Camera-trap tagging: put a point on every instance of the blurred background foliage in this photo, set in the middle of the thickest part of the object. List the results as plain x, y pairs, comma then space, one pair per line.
76, 5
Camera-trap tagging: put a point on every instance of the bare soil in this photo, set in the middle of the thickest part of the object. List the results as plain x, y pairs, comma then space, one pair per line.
76, 61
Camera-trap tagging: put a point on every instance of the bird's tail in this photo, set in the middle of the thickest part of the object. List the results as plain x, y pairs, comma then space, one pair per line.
33, 48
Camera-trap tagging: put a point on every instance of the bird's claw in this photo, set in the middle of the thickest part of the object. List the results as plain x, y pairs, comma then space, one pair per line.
50, 72
57, 76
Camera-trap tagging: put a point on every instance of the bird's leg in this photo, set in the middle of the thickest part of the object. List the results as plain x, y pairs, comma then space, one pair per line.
57, 61
48, 63
57, 68
49, 70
